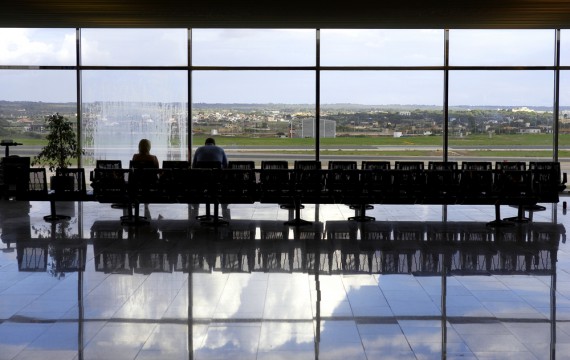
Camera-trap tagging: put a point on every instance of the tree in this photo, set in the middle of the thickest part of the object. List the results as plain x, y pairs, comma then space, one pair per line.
62, 144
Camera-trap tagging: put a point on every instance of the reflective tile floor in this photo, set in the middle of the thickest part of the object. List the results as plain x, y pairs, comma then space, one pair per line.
420, 282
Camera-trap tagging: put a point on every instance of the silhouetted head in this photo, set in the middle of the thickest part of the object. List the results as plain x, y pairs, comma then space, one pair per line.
210, 141
144, 146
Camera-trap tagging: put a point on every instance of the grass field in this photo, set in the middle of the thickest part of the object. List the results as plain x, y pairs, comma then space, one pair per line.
480, 140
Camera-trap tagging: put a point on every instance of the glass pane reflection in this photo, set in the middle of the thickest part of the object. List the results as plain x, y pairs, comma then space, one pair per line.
122, 107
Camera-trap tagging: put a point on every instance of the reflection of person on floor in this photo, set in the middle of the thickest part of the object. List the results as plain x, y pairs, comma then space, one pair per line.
211, 153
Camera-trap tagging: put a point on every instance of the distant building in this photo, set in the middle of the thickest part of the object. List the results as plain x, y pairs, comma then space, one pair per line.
328, 128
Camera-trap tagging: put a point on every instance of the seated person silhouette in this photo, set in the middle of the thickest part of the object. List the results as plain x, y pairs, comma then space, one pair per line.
210, 156
144, 159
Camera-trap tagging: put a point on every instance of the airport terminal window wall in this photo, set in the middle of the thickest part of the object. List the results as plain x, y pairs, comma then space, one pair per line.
266, 93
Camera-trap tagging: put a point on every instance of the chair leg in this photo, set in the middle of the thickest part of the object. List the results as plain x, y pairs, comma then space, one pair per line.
498, 222
360, 213
212, 220
134, 218
53, 216
297, 221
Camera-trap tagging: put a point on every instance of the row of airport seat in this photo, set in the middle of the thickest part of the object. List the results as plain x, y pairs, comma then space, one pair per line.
475, 183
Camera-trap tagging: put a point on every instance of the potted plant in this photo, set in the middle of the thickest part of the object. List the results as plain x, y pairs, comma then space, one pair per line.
62, 146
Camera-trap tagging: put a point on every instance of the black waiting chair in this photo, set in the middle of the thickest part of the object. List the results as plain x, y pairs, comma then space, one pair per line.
409, 181
141, 164
375, 165
175, 164
442, 179
68, 185
211, 188
14, 170
342, 165
277, 165
274, 165
547, 182
111, 186
512, 185
308, 182
108, 164
343, 182
241, 165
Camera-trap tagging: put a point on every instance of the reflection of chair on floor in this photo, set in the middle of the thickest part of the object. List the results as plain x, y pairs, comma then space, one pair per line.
318, 252
476, 250
342, 236
276, 251
32, 255
441, 245
376, 237
407, 246
514, 256
112, 252
545, 239
189, 253
235, 247
153, 253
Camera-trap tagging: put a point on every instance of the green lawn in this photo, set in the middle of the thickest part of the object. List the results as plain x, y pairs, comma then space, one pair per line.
481, 140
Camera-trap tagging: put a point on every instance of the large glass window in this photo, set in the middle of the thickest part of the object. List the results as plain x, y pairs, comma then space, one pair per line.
382, 47
121, 107
380, 92
253, 47
26, 98
382, 115
134, 47
500, 115
501, 47
37, 47
255, 115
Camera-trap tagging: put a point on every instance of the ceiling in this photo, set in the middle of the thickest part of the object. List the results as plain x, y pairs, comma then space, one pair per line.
452, 14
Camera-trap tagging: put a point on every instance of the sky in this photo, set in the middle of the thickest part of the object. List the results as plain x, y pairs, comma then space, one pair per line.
275, 47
